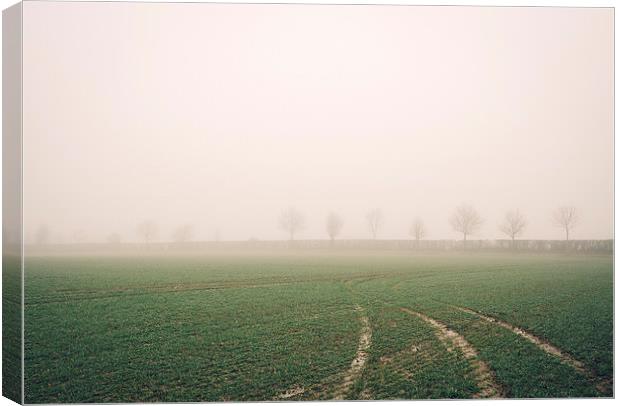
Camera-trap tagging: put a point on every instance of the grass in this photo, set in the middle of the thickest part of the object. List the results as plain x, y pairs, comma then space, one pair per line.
11, 328
255, 326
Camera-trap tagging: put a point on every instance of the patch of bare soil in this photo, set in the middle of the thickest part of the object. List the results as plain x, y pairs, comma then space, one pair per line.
292, 392
483, 375
603, 386
317, 391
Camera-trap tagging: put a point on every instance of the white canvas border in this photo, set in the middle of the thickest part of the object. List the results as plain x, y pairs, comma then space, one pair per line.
499, 3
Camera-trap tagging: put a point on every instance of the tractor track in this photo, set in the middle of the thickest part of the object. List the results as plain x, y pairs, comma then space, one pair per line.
604, 386
352, 374
485, 379
361, 356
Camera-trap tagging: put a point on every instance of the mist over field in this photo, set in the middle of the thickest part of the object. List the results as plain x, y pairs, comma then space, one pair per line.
233, 114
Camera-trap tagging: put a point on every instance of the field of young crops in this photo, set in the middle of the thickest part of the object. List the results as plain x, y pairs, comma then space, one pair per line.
310, 325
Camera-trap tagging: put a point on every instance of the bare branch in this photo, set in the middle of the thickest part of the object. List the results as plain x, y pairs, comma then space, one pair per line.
466, 220
514, 224
417, 230
375, 220
292, 221
565, 217
334, 225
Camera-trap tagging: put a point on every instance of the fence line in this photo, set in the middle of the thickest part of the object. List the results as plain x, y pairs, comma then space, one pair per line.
576, 246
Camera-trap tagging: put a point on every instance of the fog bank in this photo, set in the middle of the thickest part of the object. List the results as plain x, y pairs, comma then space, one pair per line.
221, 116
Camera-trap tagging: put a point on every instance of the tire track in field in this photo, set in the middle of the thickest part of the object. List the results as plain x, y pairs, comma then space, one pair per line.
76, 295
350, 375
359, 362
483, 375
604, 386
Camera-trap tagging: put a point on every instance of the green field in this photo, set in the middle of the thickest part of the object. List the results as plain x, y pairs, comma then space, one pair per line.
317, 325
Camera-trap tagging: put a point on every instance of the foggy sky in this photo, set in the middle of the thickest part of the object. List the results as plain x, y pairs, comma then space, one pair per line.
223, 115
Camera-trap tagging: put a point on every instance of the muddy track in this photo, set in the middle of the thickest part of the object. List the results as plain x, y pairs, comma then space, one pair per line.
483, 375
604, 386
359, 362
292, 392
316, 391
349, 376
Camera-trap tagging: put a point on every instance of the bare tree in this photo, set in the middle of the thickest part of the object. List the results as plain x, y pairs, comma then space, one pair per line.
183, 233
417, 230
465, 220
566, 217
375, 220
148, 231
43, 235
114, 238
292, 221
514, 225
334, 225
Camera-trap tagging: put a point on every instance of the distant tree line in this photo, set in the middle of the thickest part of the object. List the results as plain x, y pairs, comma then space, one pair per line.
465, 220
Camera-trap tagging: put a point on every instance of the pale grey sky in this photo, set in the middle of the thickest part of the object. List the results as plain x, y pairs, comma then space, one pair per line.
222, 115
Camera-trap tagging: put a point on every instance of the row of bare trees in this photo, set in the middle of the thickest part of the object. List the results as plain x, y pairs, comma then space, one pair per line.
147, 231
465, 220
292, 221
